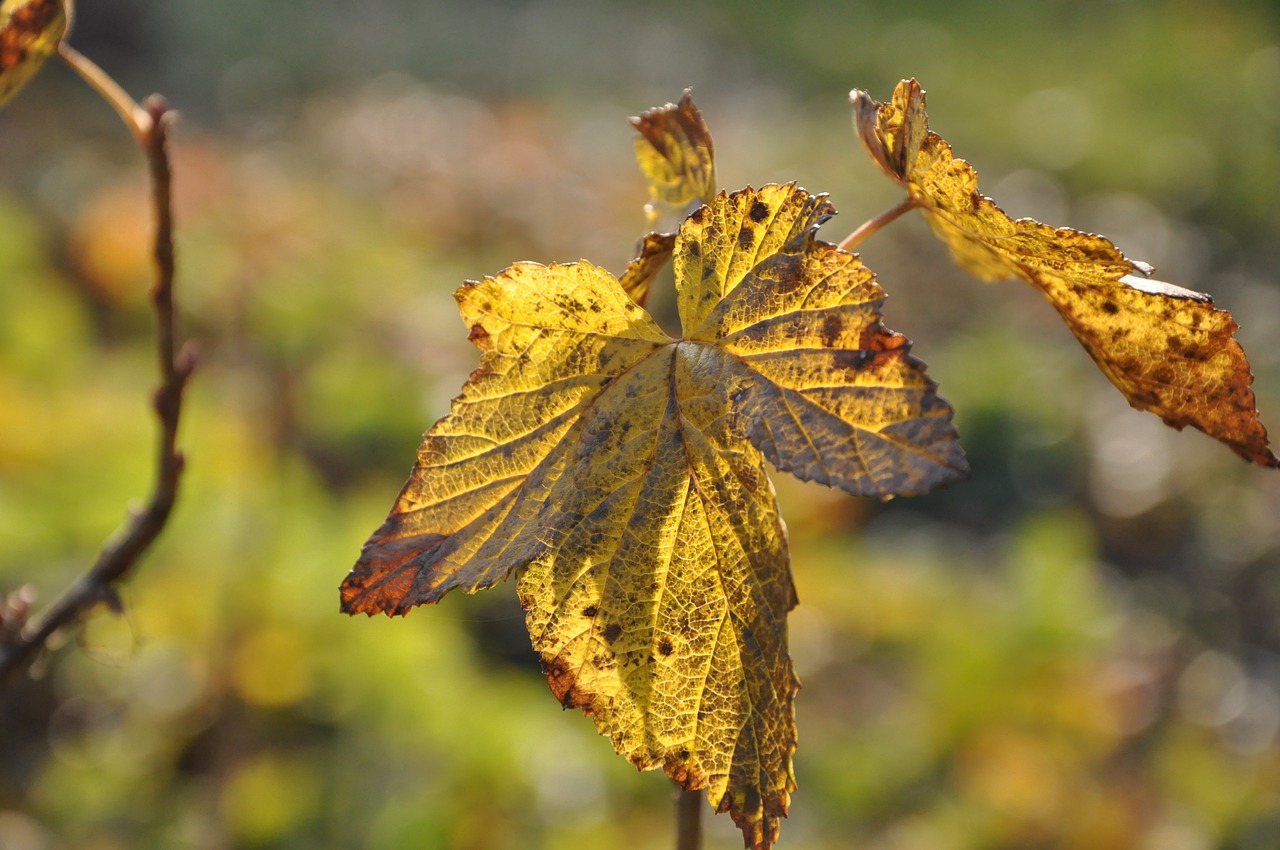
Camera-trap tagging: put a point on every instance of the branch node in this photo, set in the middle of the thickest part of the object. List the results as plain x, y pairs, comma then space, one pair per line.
22, 647
111, 599
186, 362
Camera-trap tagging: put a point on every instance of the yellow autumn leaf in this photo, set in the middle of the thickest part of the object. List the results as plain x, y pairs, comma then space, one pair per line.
678, 160
1167, 349
654, 251
620, 473
30, 31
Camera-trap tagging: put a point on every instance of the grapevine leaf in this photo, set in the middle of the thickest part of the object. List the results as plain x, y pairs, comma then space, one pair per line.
655, 249
678, 159
30, 31
620, 473
1167, 349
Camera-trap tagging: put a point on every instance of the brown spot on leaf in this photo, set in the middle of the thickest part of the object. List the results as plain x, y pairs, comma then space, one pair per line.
612, 632
664, 646
852, 359
759, 211
832, 325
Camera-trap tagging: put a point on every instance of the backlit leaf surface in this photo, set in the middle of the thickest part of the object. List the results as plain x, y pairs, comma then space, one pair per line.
620, 473
654, 251
678, 160
30, 31
1166, 348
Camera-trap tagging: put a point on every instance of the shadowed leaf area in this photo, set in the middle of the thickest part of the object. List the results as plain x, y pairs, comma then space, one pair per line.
30, 31
620, 473
1167, 349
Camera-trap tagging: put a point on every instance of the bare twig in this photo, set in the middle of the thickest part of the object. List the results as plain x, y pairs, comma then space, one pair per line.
689, 819
123, 549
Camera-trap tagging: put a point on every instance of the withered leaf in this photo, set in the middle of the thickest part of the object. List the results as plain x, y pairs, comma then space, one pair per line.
676, 154
678, 160
30, 31
620, 473
654, 251
1167, 349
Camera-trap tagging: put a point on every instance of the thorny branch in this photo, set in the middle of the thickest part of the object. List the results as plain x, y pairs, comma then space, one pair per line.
19, 648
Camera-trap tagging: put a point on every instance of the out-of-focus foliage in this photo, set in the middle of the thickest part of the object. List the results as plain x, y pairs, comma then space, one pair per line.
1077, 648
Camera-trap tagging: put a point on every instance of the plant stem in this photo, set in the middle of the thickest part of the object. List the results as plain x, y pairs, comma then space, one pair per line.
688, 820
123, 549
137, 119
869, 227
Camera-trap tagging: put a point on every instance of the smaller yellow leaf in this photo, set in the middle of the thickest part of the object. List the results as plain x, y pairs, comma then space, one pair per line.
678, 159
654, 251
1164, 347
30, 31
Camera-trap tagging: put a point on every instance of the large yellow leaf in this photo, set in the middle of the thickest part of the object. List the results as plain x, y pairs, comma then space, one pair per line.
1164, 347
30, 31
621, 474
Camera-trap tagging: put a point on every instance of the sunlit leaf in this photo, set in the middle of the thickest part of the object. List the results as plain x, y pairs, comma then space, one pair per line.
30, 31
678, 160
654, 251
620, 473
1166, 348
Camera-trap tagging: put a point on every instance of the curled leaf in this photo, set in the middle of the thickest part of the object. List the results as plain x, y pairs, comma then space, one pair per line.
30, 31
654, 251
678, 160
1167, 349
620, 473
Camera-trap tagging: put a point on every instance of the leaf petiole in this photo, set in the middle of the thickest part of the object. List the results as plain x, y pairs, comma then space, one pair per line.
137, 119
870, 226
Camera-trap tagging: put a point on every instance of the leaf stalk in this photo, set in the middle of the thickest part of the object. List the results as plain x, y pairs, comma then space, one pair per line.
137, 119
871, 226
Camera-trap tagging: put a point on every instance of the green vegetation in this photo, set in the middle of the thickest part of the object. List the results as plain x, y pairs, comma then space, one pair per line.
1073, 649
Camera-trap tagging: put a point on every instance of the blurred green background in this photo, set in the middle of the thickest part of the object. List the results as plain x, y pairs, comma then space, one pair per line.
1078, 648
